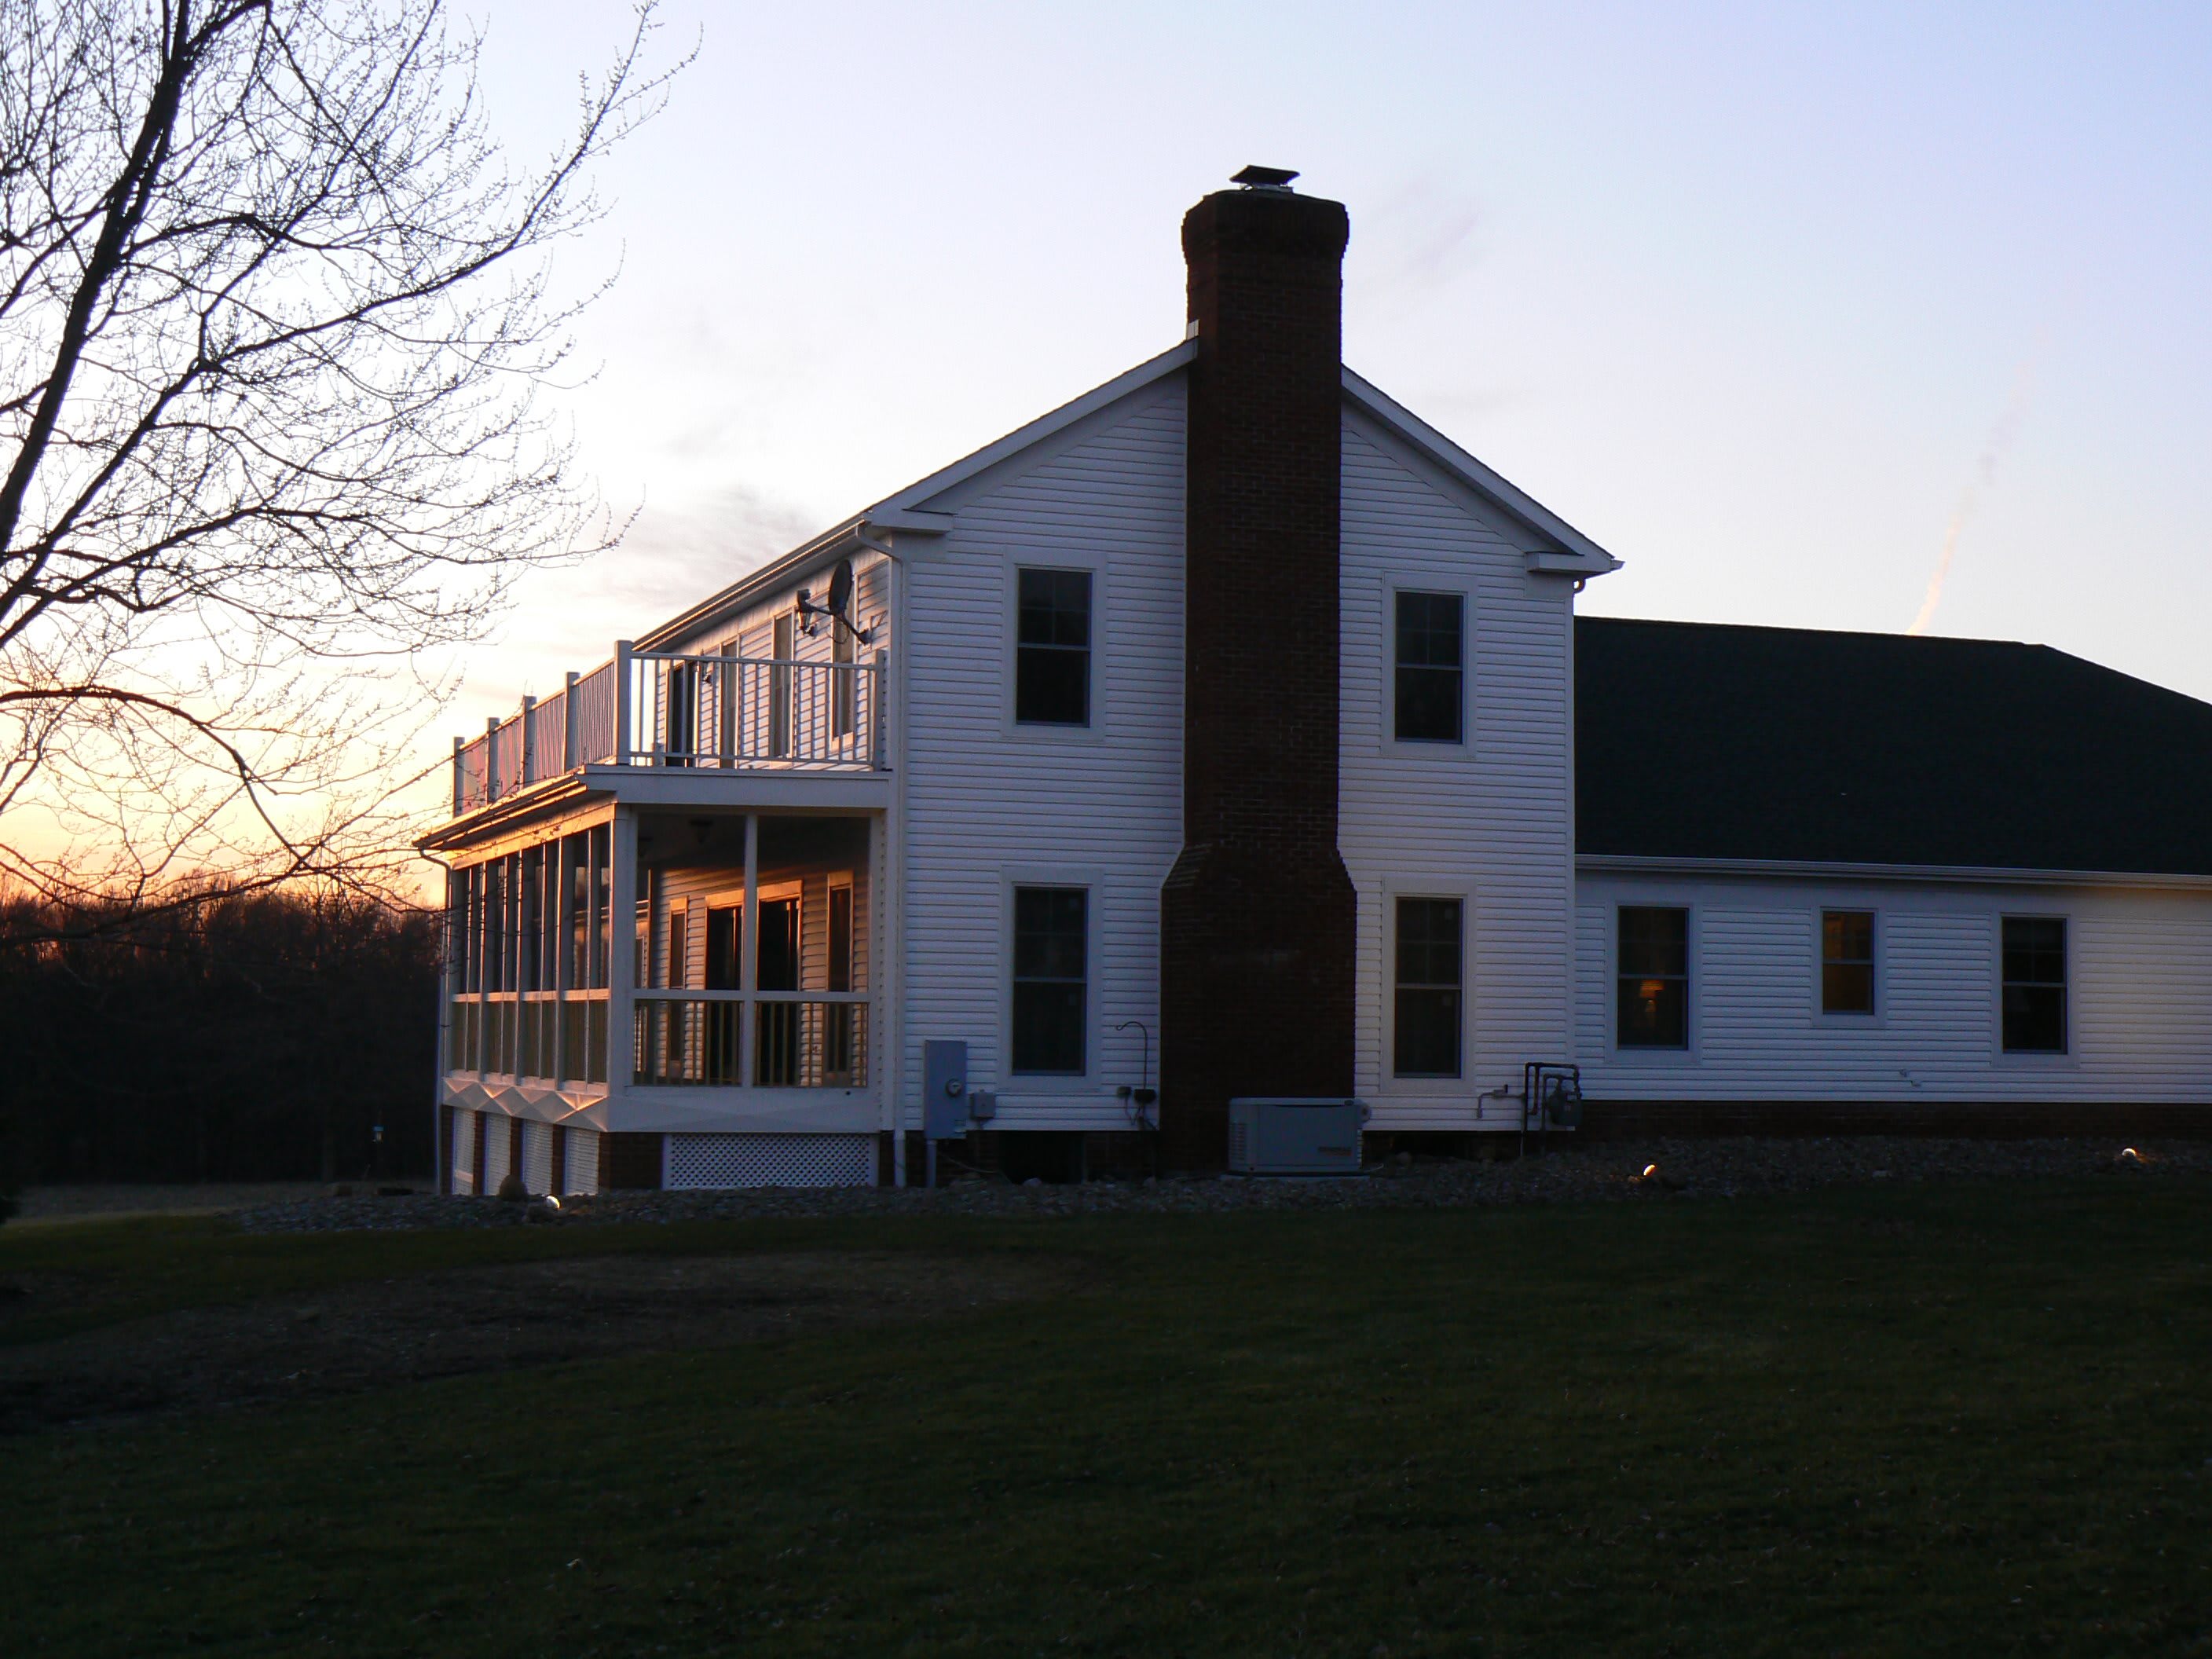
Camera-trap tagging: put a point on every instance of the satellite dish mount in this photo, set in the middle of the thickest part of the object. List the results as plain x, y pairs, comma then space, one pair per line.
838, 606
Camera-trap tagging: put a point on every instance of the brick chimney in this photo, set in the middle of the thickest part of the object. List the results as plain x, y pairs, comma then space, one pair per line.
1256, 918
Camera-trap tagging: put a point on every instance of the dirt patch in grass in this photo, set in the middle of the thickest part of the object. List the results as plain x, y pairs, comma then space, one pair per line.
444, 1324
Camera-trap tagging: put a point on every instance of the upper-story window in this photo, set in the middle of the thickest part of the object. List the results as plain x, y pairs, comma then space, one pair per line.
1052, 650
1431, 668
785, 647
842, 698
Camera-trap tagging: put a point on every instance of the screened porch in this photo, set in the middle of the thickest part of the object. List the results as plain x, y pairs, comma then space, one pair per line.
743, 967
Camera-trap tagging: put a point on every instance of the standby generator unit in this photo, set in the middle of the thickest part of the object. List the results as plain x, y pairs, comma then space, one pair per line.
1295, 1136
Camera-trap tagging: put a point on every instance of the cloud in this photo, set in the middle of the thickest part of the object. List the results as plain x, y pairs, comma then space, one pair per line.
1416, 243
672, 558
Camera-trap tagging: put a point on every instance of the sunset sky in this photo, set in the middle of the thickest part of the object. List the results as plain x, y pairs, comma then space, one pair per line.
1773, 302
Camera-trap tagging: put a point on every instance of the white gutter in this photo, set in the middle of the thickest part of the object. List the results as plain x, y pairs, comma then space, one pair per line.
1817, 869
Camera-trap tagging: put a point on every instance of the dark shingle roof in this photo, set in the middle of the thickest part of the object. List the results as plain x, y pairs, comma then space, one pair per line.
1695, 740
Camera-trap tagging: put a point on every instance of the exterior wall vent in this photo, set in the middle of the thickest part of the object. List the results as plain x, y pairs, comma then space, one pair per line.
1282, 1136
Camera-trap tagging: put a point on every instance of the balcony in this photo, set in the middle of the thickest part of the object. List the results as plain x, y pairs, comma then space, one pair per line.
665, 710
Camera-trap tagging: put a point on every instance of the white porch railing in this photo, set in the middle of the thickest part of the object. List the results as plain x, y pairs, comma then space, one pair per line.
757, 1039
652, 708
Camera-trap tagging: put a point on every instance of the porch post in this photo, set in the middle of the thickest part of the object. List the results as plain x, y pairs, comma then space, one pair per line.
729, 682
877, 756
622, 951
481, 1048
880, 972
529, 743
460, 744
564, 899
621, 703
491, 757
748, 1010
568, 722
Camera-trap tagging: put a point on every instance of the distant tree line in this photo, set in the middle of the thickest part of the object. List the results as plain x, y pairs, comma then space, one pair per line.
267, 1036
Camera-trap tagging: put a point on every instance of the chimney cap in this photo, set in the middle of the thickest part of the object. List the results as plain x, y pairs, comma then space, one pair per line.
1259, 178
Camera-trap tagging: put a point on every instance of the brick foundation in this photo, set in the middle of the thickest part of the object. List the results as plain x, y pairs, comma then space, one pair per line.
1257, 918
629, 1162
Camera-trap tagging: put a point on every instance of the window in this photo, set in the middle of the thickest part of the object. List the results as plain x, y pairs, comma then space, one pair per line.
837, 1016
841, 688
776, 967
680, 719
2035, 985
1052, 652
1654, 984
1846, 962
1427, 1025
1051, 925
679, 948
785, 647
1432, 667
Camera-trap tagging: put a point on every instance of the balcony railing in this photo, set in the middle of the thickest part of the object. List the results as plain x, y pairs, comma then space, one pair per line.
760, 1039
655, 708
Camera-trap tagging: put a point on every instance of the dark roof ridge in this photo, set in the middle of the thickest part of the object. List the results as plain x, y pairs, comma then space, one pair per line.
1825, 633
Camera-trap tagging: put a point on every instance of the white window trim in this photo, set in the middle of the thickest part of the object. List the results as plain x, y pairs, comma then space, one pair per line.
1389, 1083
1087, 1081
1009, 647
2067, 1059
1616, 902
1387, 738
1821, 1018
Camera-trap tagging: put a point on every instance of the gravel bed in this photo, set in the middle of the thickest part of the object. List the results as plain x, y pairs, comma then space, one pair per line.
1719, 1167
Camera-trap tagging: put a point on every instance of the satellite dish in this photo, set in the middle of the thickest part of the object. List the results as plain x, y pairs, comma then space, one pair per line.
840, 588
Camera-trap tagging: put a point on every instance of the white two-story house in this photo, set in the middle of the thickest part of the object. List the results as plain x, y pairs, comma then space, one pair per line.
1216, 735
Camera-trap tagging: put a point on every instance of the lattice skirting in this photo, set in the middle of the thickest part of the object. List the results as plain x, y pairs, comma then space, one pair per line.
771, 1160
464, 1163
583, 1161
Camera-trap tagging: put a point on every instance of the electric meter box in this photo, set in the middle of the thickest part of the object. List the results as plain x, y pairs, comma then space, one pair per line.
1289, 1136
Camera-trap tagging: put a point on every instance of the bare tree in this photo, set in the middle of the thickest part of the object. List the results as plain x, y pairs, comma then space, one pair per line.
275, 317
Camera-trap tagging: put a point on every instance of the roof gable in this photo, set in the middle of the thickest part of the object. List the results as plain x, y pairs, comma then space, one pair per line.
922, 508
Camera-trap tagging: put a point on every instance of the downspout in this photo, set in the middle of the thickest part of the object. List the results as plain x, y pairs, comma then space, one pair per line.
892, 1112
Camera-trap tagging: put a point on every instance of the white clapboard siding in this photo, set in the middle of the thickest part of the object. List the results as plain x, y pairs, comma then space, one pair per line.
1493, 819
752, 633
986, 802
2140, 986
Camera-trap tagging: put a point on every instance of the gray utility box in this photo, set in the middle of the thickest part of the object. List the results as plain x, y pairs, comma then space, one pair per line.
1295, 1136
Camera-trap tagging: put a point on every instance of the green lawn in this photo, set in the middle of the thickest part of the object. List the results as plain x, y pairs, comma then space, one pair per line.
1968, 1420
